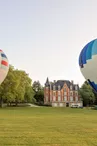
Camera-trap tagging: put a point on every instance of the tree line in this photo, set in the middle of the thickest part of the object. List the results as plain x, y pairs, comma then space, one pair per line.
18, 88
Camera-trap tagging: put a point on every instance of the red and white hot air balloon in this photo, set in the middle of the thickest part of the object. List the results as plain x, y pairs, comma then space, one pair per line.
4, 66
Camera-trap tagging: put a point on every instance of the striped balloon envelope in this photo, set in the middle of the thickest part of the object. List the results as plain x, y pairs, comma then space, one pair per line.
88, 63
4, 66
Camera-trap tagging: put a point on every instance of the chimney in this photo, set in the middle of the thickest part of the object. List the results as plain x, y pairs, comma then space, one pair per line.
54, 81
72, 81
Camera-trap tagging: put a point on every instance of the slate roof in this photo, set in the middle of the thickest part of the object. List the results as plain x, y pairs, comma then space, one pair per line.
74, 86
60, 83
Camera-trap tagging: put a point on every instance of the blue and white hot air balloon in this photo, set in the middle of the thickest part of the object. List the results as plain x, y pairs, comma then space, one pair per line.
88, 63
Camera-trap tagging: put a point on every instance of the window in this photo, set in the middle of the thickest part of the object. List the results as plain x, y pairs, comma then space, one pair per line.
61, 105
71, 98
54, 98
54, 93
54, 104
65, 98
59, 93
71, 93
76, 87
65, 93
54, 87
76, 98
71, 87
59, 87
64, 89
59, 98
76, 93
46, 98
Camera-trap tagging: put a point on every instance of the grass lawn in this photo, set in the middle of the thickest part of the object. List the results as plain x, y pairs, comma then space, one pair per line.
46, 126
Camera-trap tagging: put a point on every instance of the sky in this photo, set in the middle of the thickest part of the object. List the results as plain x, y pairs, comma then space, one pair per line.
45, 37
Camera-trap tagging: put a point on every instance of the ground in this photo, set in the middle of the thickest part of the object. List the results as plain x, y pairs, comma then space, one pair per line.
46, 126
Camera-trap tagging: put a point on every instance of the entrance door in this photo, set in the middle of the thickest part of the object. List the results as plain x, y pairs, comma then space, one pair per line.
67, 104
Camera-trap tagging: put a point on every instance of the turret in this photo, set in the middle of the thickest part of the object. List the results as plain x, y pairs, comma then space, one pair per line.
47, 91
47, 82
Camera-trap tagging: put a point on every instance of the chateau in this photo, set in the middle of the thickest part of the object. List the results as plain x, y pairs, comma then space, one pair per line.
62, 93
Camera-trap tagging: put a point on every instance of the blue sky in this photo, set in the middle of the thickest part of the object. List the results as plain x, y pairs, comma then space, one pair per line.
45, 37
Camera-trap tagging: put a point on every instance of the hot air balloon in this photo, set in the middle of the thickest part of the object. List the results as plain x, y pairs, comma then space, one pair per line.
4, 66
88, 63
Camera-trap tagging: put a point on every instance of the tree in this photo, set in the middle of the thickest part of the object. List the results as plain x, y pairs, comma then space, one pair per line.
36, 86
6, 88
29, 94
17, 87
87, 95
39, 92
39, 96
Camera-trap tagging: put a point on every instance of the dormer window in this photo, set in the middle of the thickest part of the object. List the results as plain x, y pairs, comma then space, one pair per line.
59, 87
71, 87
54, 87
76, 88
